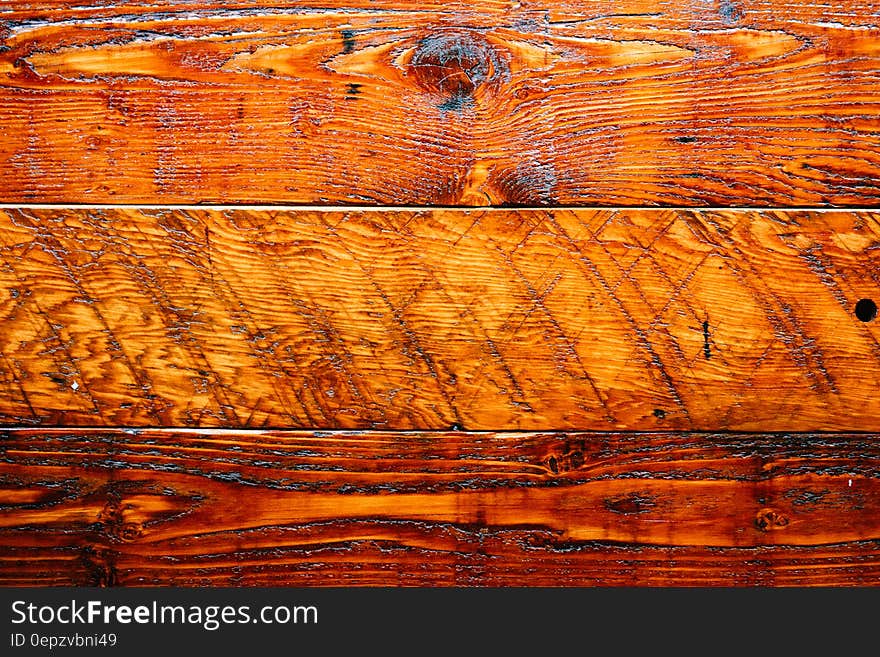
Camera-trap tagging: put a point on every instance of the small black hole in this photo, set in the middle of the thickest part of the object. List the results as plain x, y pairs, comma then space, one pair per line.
866, 310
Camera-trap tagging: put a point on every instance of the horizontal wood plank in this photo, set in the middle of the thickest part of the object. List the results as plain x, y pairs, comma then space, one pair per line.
196, 507
483, 319
730, 102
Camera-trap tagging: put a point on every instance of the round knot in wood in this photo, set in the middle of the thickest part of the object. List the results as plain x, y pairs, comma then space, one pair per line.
454, 65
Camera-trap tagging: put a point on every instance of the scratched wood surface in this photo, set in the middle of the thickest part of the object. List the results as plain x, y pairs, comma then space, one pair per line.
390, 395
728, 102
482, 319
165, 507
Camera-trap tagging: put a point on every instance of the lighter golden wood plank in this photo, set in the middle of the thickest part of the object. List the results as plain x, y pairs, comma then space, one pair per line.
489, 319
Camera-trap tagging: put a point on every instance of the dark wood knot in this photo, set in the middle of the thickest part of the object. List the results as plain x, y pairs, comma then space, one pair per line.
455, 65
770, 520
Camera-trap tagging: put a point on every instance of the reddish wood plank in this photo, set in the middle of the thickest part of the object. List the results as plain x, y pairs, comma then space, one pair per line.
160, 507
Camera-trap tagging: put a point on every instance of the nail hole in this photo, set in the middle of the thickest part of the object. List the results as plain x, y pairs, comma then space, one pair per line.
866, 310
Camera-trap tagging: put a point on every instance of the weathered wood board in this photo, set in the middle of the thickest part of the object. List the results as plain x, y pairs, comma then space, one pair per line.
735, 102
483, 319
198, 507
439, 293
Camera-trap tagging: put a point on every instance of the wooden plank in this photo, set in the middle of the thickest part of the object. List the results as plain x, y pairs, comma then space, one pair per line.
483, 319
730, 102
195, 507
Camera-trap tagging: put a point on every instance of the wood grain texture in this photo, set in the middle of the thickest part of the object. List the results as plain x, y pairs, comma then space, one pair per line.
195, 507
727, 102
483, 319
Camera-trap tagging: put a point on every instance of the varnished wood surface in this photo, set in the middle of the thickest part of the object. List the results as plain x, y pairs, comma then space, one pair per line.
501, 319
728, 102
160, 507
297, 349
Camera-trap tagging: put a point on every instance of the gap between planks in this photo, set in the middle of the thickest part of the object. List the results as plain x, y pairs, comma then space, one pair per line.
433, 207
348, 433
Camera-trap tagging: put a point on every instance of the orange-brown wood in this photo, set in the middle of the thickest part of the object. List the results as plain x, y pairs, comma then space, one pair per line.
165, 507
730, 102
483, 319
295, 349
